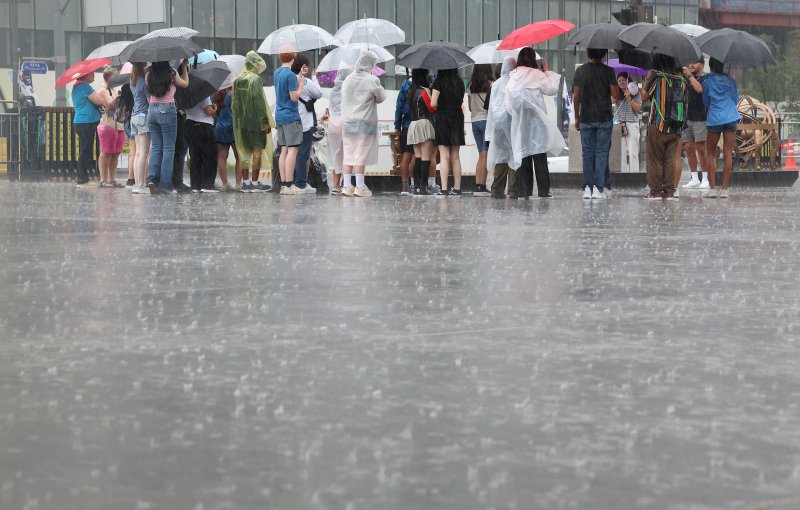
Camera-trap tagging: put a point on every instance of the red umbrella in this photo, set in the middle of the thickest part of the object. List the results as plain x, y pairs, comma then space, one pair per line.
81, 69
535, 33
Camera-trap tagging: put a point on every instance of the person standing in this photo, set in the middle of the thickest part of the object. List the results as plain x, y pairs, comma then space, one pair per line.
628, 108
87, 103
721, 97
252, 121
498, 134
126, 97
110, 133
447, 99
361, 94
139, 129
479, 87
223, 137
593, 89
162, 122
421, 132
402, 121
334, 132
202, 153
695, 132
534, 134
664, 86
288, 89
308, 118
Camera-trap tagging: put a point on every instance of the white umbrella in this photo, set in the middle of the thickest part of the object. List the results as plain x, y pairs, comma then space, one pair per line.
299, 38
371, 31
347, 55
236, 65
487, 53
109, 50
177, 32
689, 29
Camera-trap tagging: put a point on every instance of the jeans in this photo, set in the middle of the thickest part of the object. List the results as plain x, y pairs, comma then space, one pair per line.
596, 141
162, 123
301, 168
203, 152
86, 136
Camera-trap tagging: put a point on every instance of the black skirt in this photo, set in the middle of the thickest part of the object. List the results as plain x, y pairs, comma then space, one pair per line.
450, 129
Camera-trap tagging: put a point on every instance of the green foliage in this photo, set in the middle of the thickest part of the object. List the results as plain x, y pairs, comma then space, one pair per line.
779, 83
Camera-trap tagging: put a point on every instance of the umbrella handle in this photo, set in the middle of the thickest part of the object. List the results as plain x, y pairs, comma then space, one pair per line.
195, 61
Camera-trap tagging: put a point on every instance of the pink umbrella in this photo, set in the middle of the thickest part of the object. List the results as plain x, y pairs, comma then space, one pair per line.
329, 77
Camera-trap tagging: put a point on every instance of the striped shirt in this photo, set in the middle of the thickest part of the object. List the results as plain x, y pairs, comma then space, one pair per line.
624, 111
657, 87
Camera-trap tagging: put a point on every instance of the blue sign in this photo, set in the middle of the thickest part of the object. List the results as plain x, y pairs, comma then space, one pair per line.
34, 67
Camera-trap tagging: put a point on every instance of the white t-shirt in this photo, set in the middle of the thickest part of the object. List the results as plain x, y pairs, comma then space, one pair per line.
311, 90
197, 113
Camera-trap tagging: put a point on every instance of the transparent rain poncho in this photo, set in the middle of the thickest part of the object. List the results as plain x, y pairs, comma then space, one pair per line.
334, 131
251, 113
533, 131
498, 120
361, 94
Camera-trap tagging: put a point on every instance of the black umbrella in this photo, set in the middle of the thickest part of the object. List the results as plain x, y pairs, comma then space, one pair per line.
598, 35
736, 48
633, 57
655, 38
203, 81
435, 56
159, 49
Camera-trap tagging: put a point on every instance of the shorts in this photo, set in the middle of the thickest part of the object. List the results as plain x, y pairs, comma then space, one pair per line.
139, 125
404, 146
725, 128
290, 135
694, 131
479, 133
111, 140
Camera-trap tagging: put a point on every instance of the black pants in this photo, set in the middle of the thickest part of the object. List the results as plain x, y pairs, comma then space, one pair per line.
202, 154
537, 163
180, 140
87, 134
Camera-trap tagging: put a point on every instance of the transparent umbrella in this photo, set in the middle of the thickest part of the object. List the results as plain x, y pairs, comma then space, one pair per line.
109, 50
347, 55
374, 31
236, 65
689, 29
297, 38
487, 53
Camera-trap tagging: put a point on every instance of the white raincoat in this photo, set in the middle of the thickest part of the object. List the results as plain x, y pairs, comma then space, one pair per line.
533, 131
498, 120
334, 131
361, 93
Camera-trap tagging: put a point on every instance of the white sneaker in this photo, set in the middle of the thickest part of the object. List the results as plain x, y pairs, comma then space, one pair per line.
140, 190
711, 193
597, 194
694, 183
704, 185
362, 191
587, 193
348, 191
294, 190
724, 193
677, 193
308, 190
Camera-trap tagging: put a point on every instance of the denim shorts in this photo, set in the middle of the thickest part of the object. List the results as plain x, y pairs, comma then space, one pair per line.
479, 133
724, 128
139, 124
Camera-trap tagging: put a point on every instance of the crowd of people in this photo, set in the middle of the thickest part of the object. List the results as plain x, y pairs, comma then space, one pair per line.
512, 130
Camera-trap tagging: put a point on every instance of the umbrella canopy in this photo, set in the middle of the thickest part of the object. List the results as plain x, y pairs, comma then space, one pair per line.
655, 38
636, 58
329, 77
158, 49
176, 32
736, 48
299, 38
619, 67
535, 33
379, 32
689, 29
598, 35
123, 77
487, 53
109, 50
236, 66
435, 56
347, 55
203, 81
205, 56
79, 69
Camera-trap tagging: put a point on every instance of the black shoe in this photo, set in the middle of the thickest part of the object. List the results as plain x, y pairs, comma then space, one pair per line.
130, 183
455, 192
183, 188
442, 193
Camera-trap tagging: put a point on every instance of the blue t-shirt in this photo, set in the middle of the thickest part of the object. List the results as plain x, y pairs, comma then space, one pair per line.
141, 99
285, 109
223, 128
85, 110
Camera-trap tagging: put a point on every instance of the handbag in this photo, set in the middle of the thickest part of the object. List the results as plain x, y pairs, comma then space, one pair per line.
623, 130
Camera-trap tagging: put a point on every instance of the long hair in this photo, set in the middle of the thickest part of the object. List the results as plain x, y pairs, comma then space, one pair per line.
481, 80
527, 58
137, 72
419, 79
159, 79
450, 84
664, 63
716, 66
623, 74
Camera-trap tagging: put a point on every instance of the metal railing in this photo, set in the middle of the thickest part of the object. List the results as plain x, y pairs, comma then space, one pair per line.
8, 134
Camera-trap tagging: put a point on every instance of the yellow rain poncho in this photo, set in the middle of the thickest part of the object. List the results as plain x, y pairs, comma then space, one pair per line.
251, 112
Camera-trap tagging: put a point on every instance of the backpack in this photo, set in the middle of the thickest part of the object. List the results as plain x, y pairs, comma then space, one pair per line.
675, 102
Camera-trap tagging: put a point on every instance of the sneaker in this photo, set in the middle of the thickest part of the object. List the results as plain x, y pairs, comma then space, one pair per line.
442, 193
434, 189
607, 192
172, 191
694, 183
209, 190
227, 188
348, 191
294, 190
107, 185
336, 191
362, 191
587, 193
405, 193
704, 185
249, 188
266, 188
140, 190
308, 190
724, 194
671, 197
711, 193
153, 188
196, 190
597, 194
677, 193
284, 190
481, 191
548, 196
130, 183
116, 184
86, 185
422, 192
653, 196
455, 193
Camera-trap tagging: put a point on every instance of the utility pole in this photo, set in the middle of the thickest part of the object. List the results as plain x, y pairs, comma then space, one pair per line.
562, 11
14, 18
60, 47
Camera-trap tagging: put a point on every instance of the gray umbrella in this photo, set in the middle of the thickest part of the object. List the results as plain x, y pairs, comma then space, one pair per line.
159, 49
435, 56
736, 48
203, 81
655, 38
598, 35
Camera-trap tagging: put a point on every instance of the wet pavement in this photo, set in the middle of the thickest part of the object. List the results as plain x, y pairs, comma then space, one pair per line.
232, 351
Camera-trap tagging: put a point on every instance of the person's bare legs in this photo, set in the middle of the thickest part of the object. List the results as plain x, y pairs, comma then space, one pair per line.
112, 167
131, 159
455, 164
142, 153
444, 166
481, 171
255, 164
222, 163
728, 139
712, 139
287, 162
